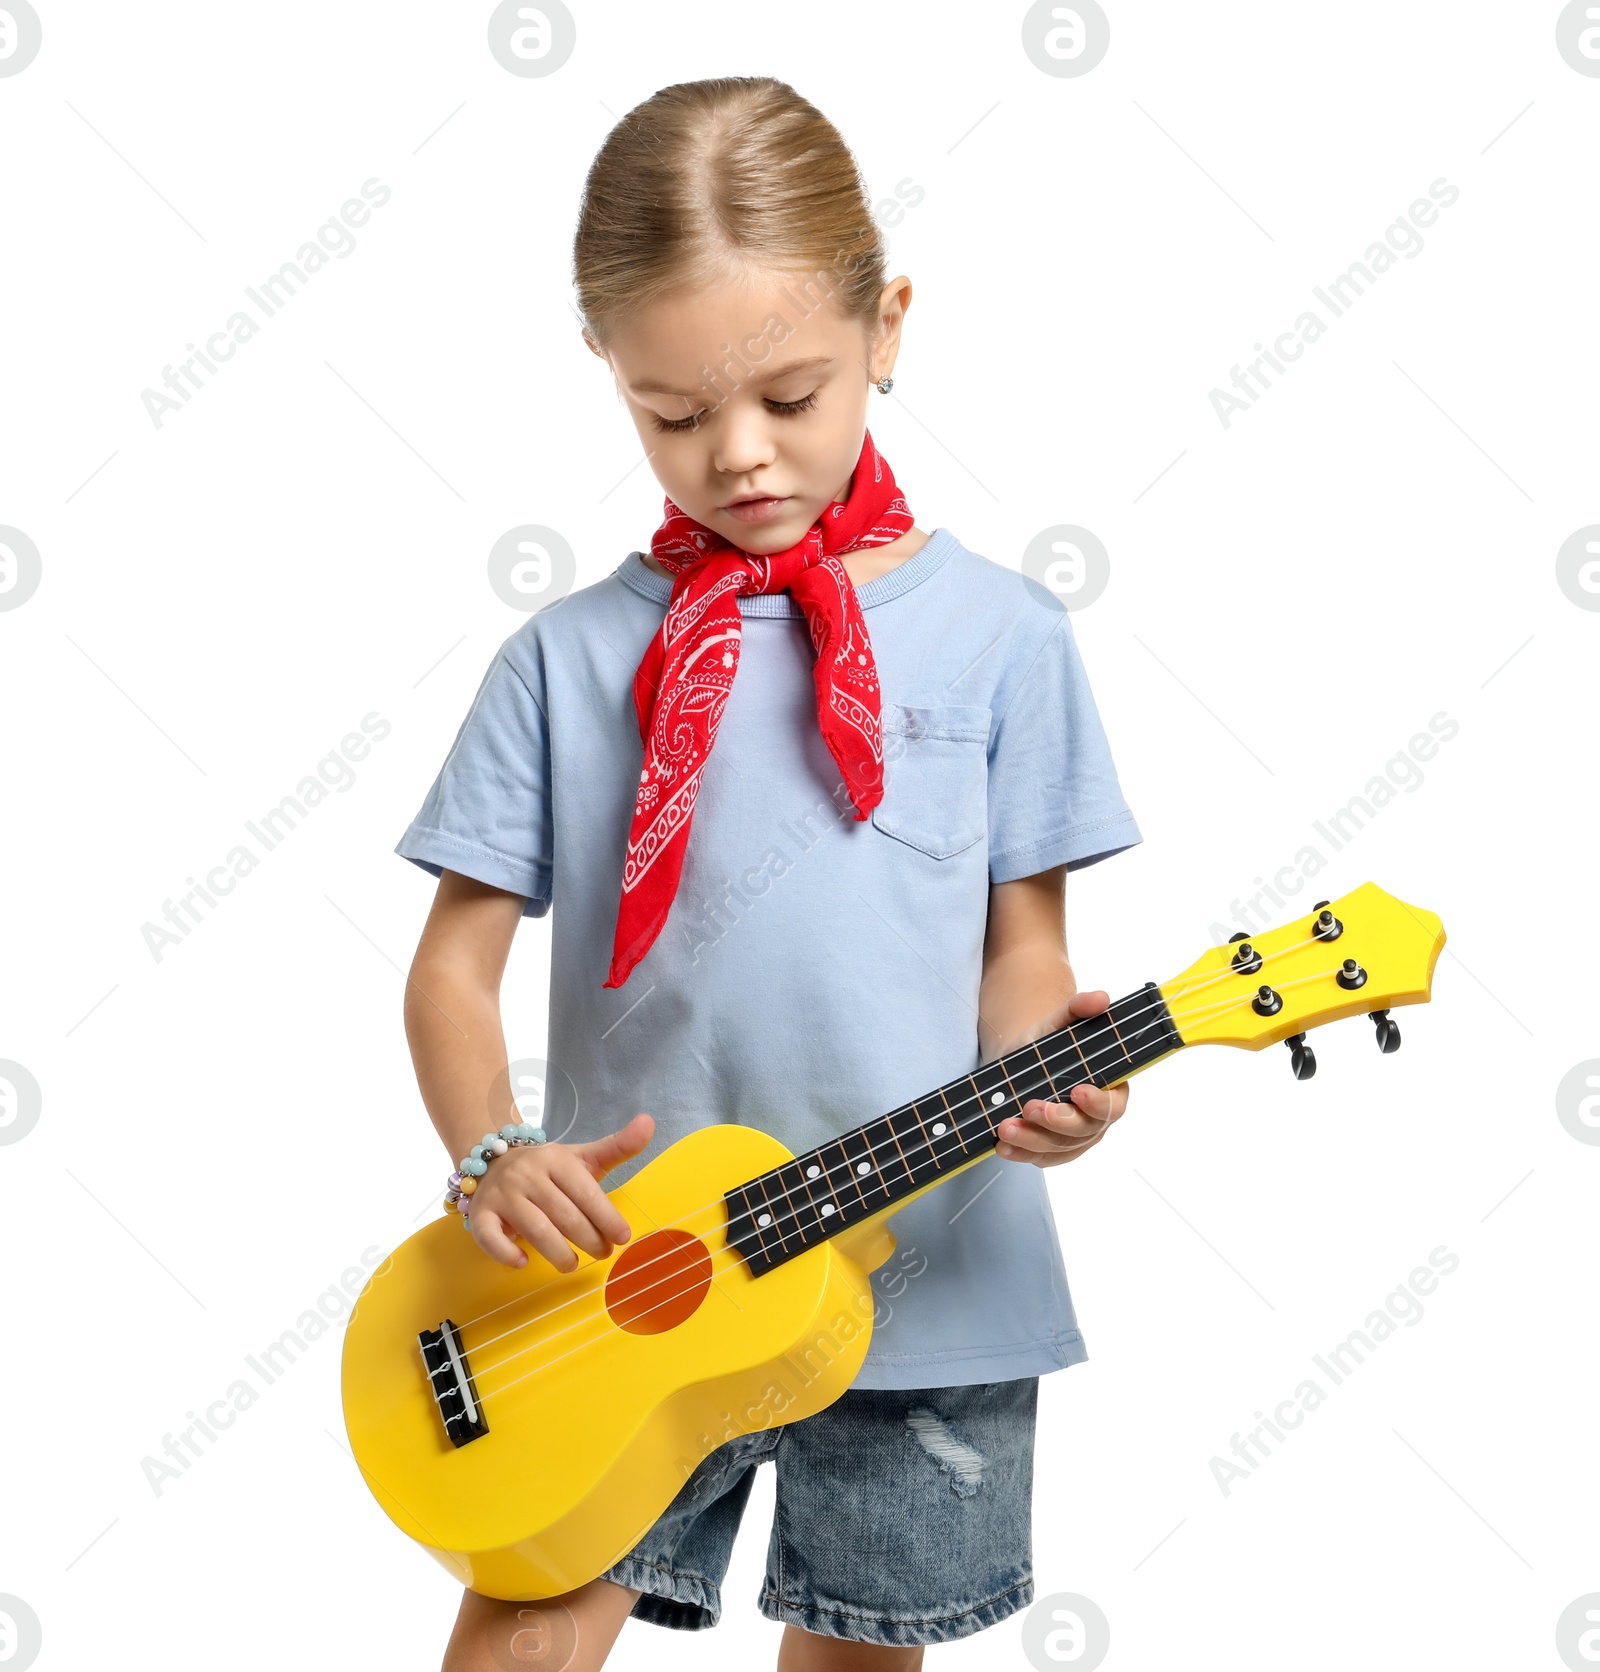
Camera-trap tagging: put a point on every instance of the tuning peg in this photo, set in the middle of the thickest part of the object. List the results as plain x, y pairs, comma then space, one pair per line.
1301, 1058
1388, 1032
1246, 961
1325, 926
1351, 976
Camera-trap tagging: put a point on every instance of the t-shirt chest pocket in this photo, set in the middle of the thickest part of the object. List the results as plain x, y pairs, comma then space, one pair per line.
935, 776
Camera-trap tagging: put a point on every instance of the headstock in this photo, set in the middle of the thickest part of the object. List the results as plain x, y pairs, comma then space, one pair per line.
1365, 951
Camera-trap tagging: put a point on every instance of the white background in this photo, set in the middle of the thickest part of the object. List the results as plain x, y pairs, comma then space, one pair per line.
1291, 598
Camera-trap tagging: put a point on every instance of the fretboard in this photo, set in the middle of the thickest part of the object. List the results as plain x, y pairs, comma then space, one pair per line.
780, 1214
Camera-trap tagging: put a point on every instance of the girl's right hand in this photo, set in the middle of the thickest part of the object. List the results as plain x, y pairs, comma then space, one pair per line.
549, 1195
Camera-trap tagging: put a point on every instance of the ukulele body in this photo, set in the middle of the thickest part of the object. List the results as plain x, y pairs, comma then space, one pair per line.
600, 1397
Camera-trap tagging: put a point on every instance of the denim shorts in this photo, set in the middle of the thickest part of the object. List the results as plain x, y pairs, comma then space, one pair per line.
903, 1516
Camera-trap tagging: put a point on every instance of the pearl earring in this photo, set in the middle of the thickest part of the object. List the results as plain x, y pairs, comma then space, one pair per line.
885, 384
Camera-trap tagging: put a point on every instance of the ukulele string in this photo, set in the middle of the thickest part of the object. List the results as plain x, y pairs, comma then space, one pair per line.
974, 1098
737, 1259
871, 1150
696, 1283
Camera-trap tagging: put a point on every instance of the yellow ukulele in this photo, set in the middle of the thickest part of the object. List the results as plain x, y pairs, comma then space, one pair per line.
527, 1427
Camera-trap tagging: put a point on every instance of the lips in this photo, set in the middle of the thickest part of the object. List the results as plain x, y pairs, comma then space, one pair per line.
755, 510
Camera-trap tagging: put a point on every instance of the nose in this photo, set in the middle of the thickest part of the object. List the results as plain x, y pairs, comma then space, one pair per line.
743, 439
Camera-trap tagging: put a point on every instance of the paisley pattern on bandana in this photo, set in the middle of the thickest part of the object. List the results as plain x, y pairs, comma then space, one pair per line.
682, 684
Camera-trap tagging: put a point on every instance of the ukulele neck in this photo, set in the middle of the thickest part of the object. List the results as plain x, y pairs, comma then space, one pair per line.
781, 1213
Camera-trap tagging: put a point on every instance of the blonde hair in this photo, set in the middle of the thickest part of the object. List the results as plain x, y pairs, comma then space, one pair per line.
738, 171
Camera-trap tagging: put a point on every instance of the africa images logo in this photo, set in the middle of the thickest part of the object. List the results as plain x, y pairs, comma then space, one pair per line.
20, 36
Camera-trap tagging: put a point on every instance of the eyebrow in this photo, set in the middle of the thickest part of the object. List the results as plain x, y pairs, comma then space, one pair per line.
772, 372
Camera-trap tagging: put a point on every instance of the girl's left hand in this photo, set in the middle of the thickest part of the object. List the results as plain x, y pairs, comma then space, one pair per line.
1048, 1134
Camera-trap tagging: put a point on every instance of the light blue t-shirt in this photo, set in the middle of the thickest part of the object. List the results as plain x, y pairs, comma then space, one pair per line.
816, 971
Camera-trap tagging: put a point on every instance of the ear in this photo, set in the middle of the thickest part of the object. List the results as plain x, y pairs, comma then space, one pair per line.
593, 346
893, 300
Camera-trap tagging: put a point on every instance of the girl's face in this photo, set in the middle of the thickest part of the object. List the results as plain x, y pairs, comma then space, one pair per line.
751, 400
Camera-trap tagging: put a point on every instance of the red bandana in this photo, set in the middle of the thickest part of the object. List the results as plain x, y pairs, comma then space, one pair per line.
683, 681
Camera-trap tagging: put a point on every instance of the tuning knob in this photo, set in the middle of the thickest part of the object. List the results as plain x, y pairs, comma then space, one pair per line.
1388, 1031
1246, 961
1301, 1058
1325, 926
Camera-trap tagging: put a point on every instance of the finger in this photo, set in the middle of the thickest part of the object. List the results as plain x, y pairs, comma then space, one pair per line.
568, 1217
534, 1227
489, 1234
583, 1190
1084, 1005
1077, 1117
1048, 1158
603, 1154
1103, 1103
1048, 1127
1045, 1158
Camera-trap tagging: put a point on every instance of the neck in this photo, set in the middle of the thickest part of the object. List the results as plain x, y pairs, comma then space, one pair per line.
861, 566
783, 1212
871, 561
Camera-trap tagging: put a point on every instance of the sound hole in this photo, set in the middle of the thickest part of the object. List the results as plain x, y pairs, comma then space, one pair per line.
658, 1281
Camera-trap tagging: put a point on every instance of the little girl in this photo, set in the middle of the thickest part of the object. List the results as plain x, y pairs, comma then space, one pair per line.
793, 888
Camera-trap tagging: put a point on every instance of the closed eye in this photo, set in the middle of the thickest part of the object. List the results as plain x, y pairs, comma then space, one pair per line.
786, 409
790, 408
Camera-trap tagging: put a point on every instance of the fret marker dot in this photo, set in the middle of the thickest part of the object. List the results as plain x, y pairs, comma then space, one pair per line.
812, 1171
863, 1166
764, 1219
997, 1098
939, 1129
827, 1208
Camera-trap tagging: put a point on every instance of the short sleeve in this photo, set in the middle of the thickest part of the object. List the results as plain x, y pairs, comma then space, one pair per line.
1053, 792
488, 814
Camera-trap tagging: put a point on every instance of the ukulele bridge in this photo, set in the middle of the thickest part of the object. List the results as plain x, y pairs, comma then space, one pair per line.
455, 1394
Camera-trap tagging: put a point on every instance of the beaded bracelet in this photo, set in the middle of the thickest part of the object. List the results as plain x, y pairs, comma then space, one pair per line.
464, 1181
